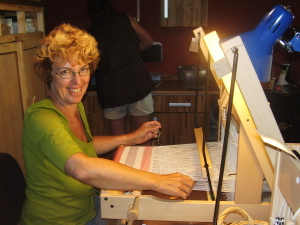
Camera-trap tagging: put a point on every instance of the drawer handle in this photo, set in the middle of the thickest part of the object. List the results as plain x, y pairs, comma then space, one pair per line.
188, 104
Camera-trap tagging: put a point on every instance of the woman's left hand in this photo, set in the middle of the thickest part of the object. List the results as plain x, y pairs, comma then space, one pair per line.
147, 131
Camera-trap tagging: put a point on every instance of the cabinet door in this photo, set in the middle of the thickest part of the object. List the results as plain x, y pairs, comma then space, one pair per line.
32, 86
184, 13
20, 87
177, 128
178, 115
11, 111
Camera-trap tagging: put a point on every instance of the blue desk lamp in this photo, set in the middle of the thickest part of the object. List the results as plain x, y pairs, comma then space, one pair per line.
260, 41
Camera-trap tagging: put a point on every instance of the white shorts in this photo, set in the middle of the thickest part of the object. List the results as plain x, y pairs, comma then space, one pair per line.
140, 108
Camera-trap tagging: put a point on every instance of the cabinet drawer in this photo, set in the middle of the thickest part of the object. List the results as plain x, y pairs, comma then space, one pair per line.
177, 128
178, 103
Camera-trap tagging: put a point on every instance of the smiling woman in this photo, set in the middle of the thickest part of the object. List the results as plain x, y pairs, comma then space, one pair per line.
63, 171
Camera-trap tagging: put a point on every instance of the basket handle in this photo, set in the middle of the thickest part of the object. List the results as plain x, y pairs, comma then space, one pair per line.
237, 210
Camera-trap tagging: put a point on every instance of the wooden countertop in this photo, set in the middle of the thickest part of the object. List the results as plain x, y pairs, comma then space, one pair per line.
171, 87
174, 87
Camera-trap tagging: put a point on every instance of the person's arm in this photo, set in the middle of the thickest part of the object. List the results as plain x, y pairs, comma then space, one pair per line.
107, 174
145, 38
148, 130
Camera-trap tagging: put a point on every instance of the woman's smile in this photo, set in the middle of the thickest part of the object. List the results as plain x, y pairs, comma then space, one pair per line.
77, 90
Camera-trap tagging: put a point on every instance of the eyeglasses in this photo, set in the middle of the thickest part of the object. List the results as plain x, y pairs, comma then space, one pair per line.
65, 73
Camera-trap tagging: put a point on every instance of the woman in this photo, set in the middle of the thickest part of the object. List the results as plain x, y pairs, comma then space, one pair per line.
63, 171
121, 70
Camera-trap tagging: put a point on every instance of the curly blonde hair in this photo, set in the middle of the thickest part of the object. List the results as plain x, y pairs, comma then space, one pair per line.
64, 43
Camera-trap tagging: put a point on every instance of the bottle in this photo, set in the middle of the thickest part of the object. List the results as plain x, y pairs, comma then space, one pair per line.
30, 28
281, 80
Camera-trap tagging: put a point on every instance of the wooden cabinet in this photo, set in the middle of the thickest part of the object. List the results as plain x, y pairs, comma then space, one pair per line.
179, 115
20, 86
183, 13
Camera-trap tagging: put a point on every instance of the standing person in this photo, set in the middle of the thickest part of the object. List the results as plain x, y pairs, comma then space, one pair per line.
63, 172
123, 83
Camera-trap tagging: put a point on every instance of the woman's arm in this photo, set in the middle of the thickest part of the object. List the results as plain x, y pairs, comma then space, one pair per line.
104, 144
145, 38
107, 174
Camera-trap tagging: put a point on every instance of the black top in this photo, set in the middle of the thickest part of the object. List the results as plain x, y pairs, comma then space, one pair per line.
121, 77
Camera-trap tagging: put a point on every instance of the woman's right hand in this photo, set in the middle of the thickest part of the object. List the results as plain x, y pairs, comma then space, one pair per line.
175, 185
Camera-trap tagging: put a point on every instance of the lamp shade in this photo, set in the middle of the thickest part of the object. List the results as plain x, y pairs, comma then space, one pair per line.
260, 41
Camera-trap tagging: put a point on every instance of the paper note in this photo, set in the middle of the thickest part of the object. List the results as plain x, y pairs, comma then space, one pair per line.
222, 67
194, 45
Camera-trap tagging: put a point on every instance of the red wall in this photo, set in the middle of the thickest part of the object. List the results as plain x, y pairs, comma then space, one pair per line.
226, 17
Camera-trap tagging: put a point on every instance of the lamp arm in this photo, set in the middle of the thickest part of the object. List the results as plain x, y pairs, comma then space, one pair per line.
285, 44
293, 45
295, 42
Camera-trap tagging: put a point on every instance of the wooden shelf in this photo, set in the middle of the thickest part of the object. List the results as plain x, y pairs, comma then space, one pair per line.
20, 13
20, 37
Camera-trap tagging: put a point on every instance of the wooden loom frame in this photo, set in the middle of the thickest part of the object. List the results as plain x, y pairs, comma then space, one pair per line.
256, 161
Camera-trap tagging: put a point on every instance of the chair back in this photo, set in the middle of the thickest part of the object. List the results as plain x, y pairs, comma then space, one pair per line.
12, 190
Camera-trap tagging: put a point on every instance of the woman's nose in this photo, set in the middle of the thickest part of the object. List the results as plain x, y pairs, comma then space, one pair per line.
76, 77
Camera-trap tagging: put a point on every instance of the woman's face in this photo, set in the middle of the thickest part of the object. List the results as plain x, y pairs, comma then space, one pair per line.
71, 90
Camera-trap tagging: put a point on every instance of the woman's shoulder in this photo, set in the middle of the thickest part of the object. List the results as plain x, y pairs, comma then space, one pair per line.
44, 109
41, 105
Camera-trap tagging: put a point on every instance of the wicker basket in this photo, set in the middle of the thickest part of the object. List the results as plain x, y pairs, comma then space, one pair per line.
246, 217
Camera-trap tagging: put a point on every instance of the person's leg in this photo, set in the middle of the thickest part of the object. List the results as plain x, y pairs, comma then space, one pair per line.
117, 126
139, 120
117, 122
116, 119
140, 112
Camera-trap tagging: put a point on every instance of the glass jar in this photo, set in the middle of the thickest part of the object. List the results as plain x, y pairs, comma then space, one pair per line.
30, 25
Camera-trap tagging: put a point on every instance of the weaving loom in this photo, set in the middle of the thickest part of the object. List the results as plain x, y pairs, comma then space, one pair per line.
256, 162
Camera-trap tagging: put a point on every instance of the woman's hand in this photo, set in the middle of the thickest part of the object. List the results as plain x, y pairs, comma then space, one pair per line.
147, 131
175, 185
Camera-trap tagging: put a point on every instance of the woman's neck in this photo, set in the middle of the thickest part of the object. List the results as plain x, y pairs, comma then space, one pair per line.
69, 111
